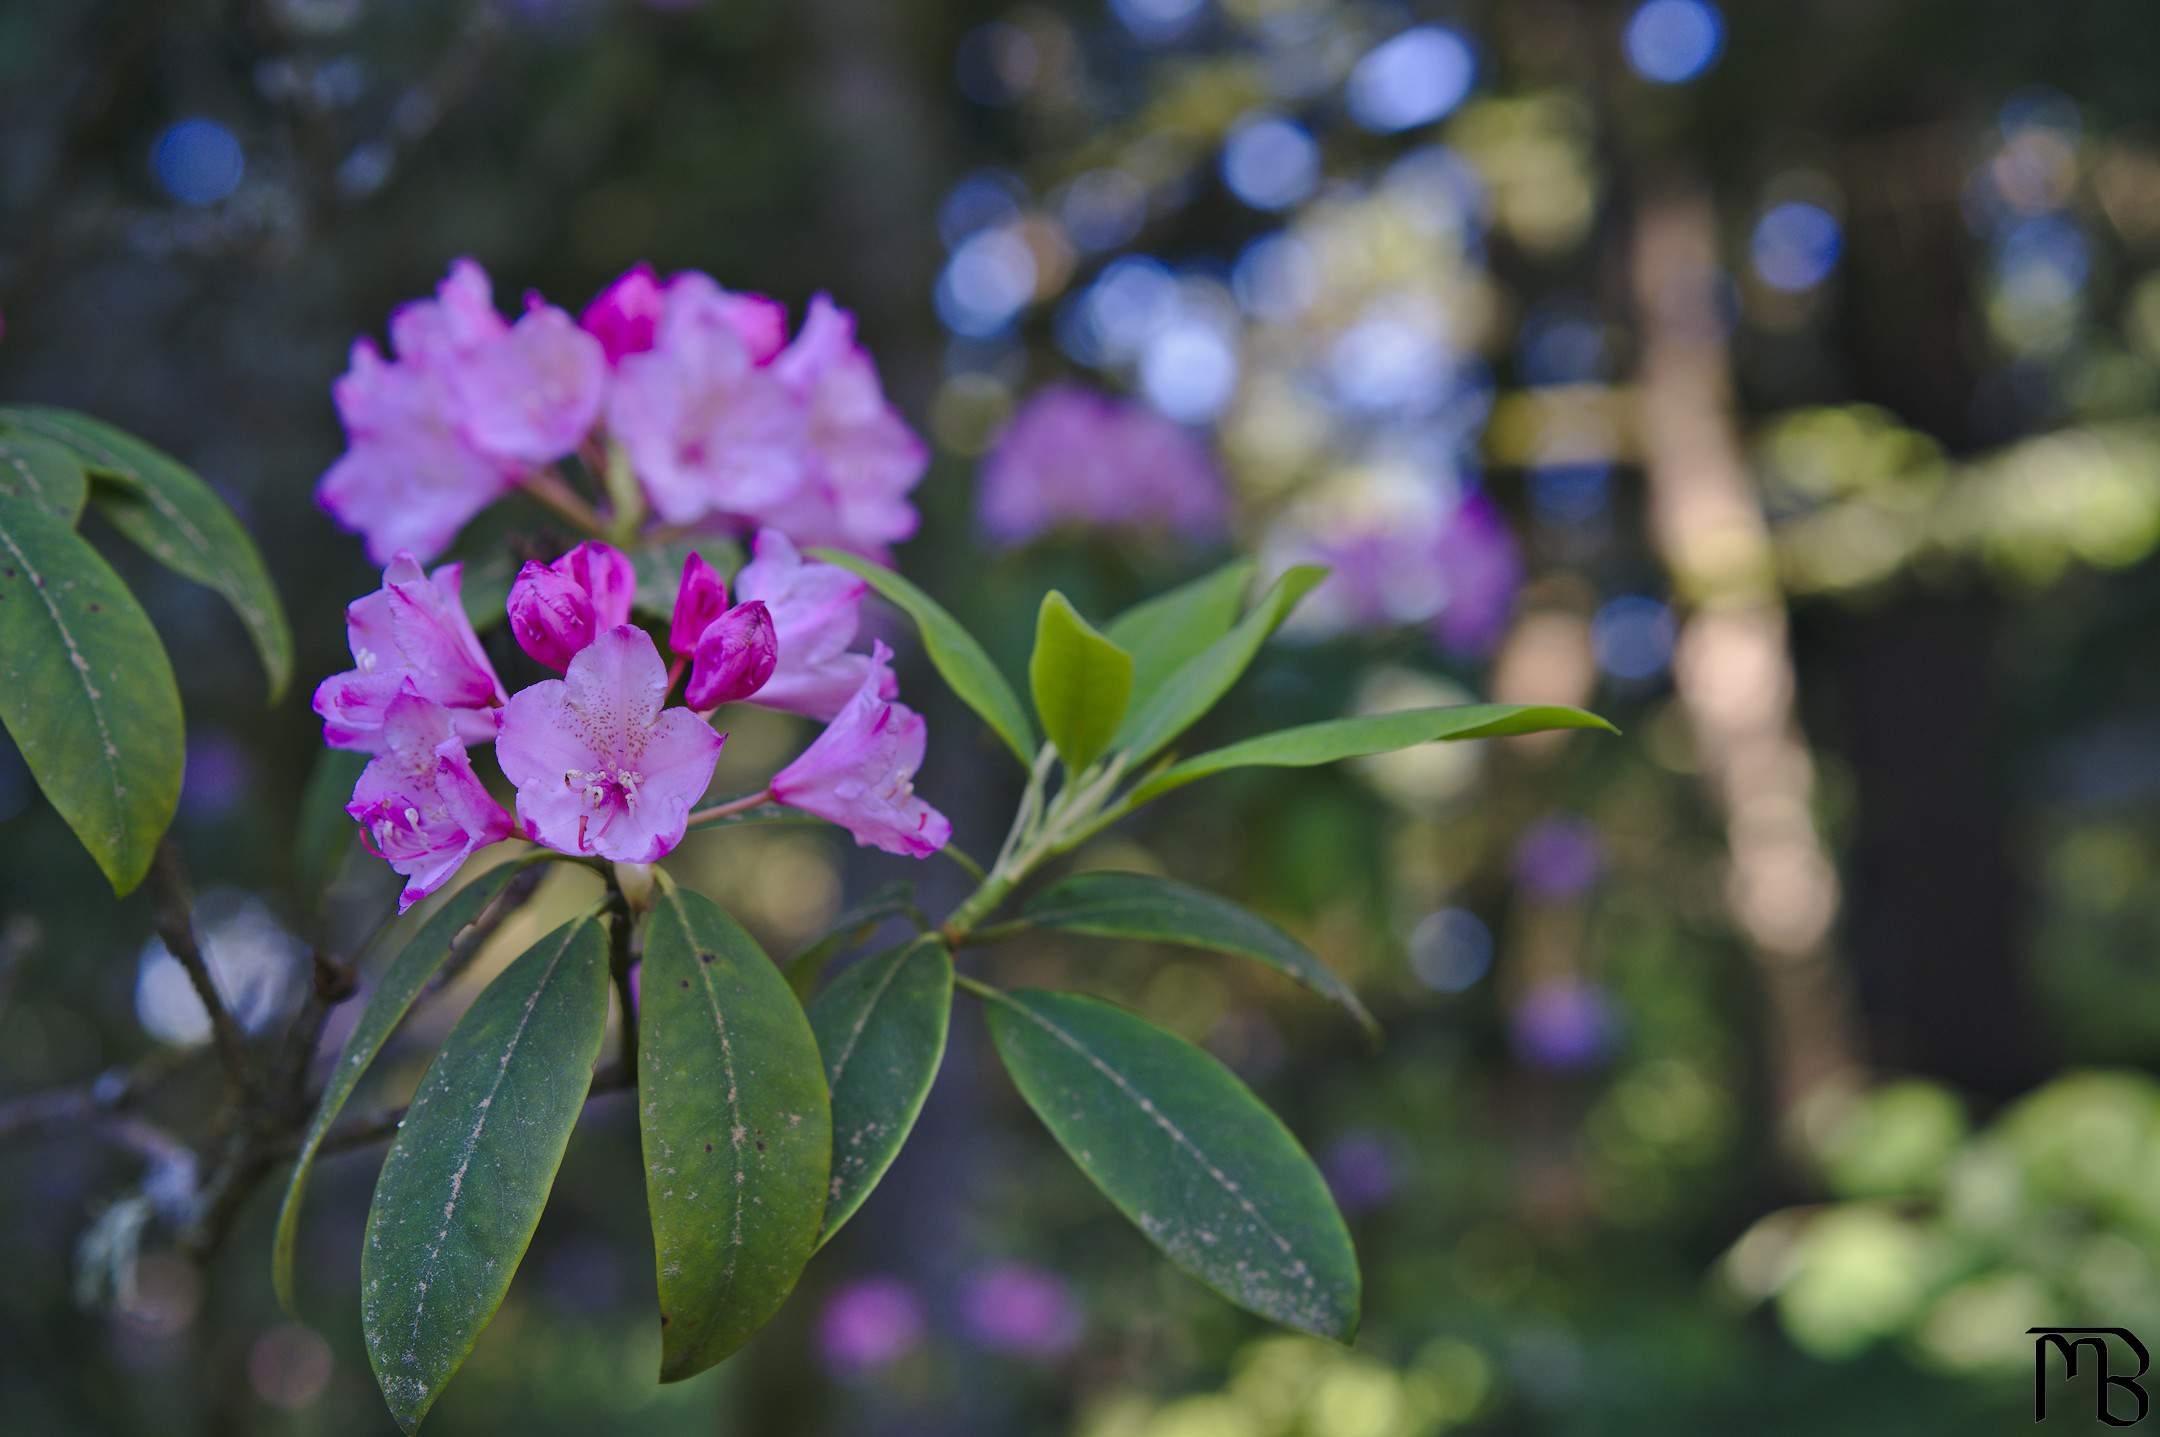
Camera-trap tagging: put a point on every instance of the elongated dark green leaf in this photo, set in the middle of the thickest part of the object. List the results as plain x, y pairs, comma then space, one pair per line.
1204, 678
1185, 1151
164, 507
470, 1171
1161, 910
959, 659
385, 1008
1335, 739
1165, 631
49, 473
881, 1027
325, 832
1081, 682
85, 690
892, 900
737, 1130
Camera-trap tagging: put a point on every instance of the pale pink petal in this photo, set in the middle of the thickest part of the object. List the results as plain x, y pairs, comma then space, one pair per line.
533, 395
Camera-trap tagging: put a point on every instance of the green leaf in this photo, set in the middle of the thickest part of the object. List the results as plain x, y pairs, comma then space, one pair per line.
470, 1171
1159, 910
1318, 743
1165, 631
1205, 677
736, 1126
38, 469
85, 690
161, 505
385, 1008
1186, 1152
892, 900
1081, 682
962, 662
325, 833
881, 1027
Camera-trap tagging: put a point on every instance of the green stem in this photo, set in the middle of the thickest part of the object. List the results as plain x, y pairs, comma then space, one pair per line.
549, 489
966, 864
980, 989
979, 906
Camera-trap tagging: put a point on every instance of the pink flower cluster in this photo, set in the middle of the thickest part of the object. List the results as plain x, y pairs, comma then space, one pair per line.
723, 418
602, 764
1077, 458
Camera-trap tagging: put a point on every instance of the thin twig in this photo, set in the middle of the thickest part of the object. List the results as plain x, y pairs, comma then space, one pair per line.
172, 908
729, 809
551, 491
514, 896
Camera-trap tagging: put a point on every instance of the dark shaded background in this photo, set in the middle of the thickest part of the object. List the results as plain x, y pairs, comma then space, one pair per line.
1660, 1165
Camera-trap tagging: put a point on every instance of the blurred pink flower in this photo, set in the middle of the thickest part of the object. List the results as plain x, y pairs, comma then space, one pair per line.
411, 632
815, 611
708, 429
626, 316
870, 1322
468, 405
1022, 1310
557, 609
599, 767
860, 772
861, 459
734, 657
1075, 457
420, 807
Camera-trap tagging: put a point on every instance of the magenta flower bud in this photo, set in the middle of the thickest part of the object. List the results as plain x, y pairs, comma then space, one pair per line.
626, 313
699, 599
607, 576
551, 616
735, 656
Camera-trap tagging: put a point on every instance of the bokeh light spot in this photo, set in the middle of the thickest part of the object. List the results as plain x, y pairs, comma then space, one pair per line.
1413, 79
1270, 161
198, 162
1673, 41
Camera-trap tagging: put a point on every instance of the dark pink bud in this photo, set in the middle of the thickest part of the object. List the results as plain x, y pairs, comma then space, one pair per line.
608, 578
551, 615
699, 599
735, 656
625, 315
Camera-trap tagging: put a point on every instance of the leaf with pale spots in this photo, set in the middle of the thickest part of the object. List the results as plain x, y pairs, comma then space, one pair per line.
1149, 909
179, 520
39, 469
1185, 1151
881, 1026
386, 1006
86, 691
736, 1128
463, 1186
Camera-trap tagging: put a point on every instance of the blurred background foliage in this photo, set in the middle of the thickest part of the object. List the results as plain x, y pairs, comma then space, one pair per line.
1779, 380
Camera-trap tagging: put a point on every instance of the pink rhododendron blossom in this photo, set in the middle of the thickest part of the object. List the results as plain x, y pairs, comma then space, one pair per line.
1403, 550
861, 459
420, 807
700, 598
1074, 457
411, 632
735, 657
708, 429
557, 609
469, 404
600, 767
815, 610
860, 772
623, 316
534, 394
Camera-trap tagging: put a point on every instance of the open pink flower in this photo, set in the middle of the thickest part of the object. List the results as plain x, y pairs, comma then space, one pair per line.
861, 459
860, 772
600, 768
625, 318
420, 807
708, 429
411, 632
469, 404
815, 611
557, 609
734, 659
